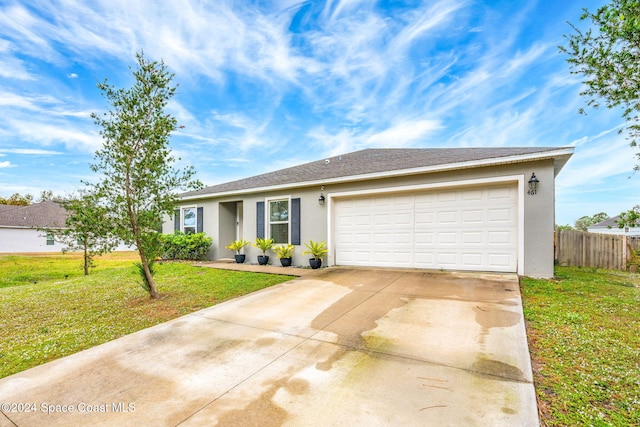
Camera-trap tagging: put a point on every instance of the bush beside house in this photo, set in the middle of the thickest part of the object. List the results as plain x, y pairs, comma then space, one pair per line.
193, 246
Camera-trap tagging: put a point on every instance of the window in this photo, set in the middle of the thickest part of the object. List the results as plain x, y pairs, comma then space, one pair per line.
189, 220
279, 220
263, 219
50, 241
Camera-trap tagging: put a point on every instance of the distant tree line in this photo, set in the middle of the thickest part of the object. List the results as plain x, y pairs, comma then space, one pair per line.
16, 199
585, 222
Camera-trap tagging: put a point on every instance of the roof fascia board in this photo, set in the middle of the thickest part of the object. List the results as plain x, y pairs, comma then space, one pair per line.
519, 158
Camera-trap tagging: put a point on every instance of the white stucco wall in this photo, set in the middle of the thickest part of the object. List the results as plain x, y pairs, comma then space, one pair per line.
25, 240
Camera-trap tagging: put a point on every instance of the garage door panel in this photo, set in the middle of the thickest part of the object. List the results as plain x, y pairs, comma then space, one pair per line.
474, 216
473, 238
402, 219
450, 238
500, 215
382, 219
499, 193
402, 239
472, 195
500, 262
500, 237
472, 229
446, 197
362, 238
447, 259
423, 238
475, 260
383, 238
364, 219
447, 217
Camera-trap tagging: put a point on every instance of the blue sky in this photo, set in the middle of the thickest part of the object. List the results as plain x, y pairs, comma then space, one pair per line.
270, 84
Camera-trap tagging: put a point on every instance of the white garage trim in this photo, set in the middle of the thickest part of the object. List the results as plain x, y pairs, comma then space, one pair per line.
519, 179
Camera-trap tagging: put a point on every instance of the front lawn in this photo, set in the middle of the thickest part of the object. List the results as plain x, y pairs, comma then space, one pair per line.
583, 326
50, 310
584, 336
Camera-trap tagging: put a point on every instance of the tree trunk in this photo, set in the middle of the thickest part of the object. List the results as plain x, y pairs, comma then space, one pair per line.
86, 260
145, 265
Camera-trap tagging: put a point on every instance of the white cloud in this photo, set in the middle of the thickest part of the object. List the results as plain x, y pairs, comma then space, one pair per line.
402, 134
594, 164
423, 21
29, 151
72, 76
6, 164
46, 134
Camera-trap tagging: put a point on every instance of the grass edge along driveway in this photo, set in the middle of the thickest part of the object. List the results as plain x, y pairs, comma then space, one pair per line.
45, 318
583, 329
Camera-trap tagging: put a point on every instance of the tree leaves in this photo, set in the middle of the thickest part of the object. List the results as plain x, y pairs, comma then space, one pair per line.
138, 178
608, 59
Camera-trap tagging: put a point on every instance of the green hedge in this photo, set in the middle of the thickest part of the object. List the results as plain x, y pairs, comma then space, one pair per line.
185, 246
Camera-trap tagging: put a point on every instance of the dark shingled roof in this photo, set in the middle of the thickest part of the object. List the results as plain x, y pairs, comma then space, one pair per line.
39, 215
369, 161
607, 223
610, 223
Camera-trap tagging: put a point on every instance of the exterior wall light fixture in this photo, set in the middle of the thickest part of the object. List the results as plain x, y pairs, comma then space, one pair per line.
533, 185
321, 199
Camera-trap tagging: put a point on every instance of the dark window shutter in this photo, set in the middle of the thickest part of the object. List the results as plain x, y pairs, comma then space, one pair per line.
260, 220
200, 215
176, 220
295, 221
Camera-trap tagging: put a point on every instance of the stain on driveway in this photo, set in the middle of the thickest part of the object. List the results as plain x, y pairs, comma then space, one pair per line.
343, 346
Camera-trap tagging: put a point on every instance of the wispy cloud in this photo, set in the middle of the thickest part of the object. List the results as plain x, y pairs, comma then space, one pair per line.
6, 164
30, 151
402, 134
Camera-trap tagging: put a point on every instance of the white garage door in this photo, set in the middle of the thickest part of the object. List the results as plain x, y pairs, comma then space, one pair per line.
462, 229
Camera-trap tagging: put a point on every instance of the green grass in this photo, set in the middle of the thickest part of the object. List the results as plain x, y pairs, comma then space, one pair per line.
58, 316
25, 269
584, 337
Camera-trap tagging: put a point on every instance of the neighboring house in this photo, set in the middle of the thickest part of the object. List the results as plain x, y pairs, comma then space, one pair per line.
444, 208
610, 226
19, 227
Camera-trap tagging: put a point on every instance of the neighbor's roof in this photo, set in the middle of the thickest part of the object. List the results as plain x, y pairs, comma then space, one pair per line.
369, 163
39, 215
607, 223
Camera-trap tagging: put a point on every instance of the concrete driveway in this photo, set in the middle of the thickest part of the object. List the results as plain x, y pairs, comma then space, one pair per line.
339, 347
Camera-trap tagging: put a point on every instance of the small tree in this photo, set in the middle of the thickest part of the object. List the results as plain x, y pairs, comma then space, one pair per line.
630, 218
87, 228
138, 179
47, 195
608, 59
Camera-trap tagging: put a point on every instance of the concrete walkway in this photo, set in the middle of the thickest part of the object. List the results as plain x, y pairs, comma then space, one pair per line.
338, 347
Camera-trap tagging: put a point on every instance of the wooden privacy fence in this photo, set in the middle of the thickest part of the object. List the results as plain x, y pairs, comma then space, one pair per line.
578, 248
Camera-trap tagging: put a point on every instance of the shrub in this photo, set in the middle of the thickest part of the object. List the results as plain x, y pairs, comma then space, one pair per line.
179, 245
